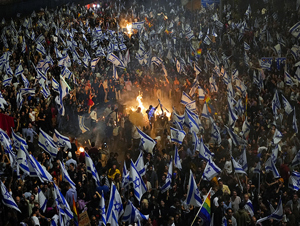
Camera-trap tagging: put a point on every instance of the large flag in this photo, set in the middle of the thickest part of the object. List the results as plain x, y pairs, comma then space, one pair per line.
167, 185
295, 125
138, 183
90, 167
204, 152
146, 143
139, 164
177, 135
65, 176
270, 166
62, 204
47, 144
61, 141
233, 136
211, 170
42, 200
177, 162
133, 215
7, 199
193, 195
275, 215
277, 137
294, 181
237, 167
115, 60
287, 106
115, 207
102, 209
295, 30
192, 121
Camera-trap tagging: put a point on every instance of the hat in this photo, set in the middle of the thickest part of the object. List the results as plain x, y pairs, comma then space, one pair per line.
70, 154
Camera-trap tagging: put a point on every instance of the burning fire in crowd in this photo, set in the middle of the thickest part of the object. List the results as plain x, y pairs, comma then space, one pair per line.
129, 29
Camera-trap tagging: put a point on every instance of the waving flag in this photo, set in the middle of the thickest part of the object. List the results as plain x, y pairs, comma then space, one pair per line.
2, 102
22, 160
277, 137
275, 103
213, 85
205, 112
294, 181
42, 200
102, 209
233, 136
137, 182
82, 126
61, 141
243, 160
211, 170
177, 135
167, 185
138, 25
65, 176
193, 194
287, 106
7, 199
249, 207
177, 162
270, 166
204, 152
177, 118
194, 87
19, 70
47, 144
207, 40
215, 133
125, 176
146, 143
295, 126
245, 129
197, 69
115, 60
115, 207
25, 81
133, 215
55, 85
201, 93
40, 170
62, 204
7, 81
192, 121
288, 79
232, 116
139, 164
90, 168
275, 215
41, 49
237, 167
295, 30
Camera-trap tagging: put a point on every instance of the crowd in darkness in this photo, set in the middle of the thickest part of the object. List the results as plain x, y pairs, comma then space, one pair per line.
71, 29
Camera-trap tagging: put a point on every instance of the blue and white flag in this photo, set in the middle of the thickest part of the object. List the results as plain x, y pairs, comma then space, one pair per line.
41, 49
270, 166
295, 125
102, 209
192, 121
294, 181
213, 85
275, 215
177, 162
249, 207
204, 152
22, 160
139, 164
277, 137
125, 176
25, 81
197, 69
276, 103
115, 73
82, 126
133, 215
90, 168
201, 93
245, 129
246, 46
47, 144
243, 160
61, 141
55, 85
193, 194
146, 143
207, 40
2, 102
205, 112
237, 167
287, 106
7, 199
19, 70
27, 91
232, 116
215, 132
115, 207
94, 63
211, 170
235, 74
296, 160
233, 136
115, 60
63, 206
18, 141
66, 177
36, 169
274, 154
288, 79
156, 60
194, 87
137, 182
138, 25
42, 200
168, 182
295, 30
7, 81
178, 118
177, 135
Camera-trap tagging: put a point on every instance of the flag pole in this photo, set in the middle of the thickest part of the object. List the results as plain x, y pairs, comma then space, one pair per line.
200, 207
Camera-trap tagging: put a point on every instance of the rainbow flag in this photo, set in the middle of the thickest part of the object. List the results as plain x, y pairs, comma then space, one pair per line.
206, 210
76, 217
199, 51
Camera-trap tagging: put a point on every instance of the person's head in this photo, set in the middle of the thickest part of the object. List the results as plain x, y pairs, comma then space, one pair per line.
18, 200
234, 193
246, 197
92, 144
220, 181
35, 210
229, 212
295, 197
72, 166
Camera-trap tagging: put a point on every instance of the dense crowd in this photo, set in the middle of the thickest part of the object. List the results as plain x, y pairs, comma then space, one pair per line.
55, 72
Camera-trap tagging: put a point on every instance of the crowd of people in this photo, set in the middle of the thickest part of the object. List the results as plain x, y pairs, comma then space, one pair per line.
232, 78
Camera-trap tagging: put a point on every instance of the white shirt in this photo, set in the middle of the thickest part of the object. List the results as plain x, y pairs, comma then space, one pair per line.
35, 220
94, 115
32, 116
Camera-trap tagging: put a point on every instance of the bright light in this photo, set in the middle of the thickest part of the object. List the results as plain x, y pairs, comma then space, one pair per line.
81, 149
129, 29
98, 6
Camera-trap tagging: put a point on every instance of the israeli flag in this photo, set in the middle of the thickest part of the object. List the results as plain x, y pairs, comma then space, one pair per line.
22, 160
156, 60
296, 160
18, 141
288, 79
294, 181
275, 214
177, 135
146, 143
90, 168
275, 103
55, 85
27, 91
243, 160
41, 49
270, 166
115, 60
215, 132
65, 176
207, 40
246, 46
168, 182
82, 126
139, 164
115, 73
233, 136
295, 126
295, 30
213, 85
245, 129
102, 209
37, 170
2, 102
19, 70
185, 98
23, 46
237, 167
66, 73
265, 65
204, 152
47, 144
201, 93
94, 62
138, 25
193, 194
211, 170
287, 106
197, 69
42, 200
133, 215
191, 121
7, 199
205, 112
277, 137
249, 207
137, 182
232, 116
194, 87
7, 81
25, 81
177, 161
178, 119
125, 176
62, 204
